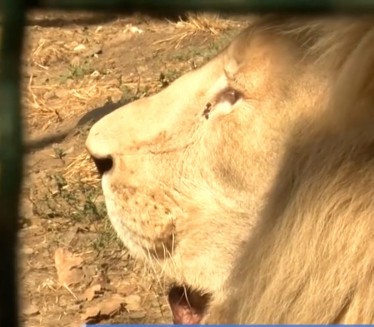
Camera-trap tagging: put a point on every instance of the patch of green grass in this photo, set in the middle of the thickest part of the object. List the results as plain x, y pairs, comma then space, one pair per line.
76, 72
81, 202
189, 53
107, 235
168, 76
127, 94
59, 153
130, 95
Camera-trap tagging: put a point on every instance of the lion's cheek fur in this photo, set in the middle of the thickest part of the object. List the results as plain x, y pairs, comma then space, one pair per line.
160, 222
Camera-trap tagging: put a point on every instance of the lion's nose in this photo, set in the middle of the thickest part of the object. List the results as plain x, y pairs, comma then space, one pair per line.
98, 145
103, 164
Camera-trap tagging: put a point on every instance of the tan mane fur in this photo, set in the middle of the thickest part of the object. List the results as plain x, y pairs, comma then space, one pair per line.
311, 259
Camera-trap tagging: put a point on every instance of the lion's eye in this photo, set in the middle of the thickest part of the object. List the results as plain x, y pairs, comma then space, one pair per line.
222, 102
228, 95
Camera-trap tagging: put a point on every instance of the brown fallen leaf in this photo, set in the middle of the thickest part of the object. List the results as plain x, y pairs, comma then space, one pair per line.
79, 47
137, 315
67, 266
105, 309
30, 310
91, 292
27, 250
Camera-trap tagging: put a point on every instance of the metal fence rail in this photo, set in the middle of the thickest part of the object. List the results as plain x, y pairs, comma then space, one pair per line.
13, 12
301, 6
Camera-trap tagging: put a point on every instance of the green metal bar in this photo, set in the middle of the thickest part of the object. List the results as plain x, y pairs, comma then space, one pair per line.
10, 155
177, 6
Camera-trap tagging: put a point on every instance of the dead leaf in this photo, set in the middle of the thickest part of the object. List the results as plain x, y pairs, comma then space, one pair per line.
132, 29
132, 302
30, 310
67, 266
27, 250
79, 47
27, 209
104, 309
137, 315
91, 292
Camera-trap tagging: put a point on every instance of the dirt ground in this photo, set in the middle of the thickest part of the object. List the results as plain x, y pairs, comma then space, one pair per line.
78, 67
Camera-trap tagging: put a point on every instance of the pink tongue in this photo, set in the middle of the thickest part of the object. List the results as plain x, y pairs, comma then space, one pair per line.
187, 306
184, 315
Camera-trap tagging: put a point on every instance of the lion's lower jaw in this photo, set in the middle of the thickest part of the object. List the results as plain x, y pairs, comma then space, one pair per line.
188, 305
191, 288
138, 248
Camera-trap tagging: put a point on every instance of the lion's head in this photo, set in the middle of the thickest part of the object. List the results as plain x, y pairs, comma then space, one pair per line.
188, 174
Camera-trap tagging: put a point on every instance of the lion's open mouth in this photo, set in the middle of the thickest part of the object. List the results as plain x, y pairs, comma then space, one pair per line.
188, 306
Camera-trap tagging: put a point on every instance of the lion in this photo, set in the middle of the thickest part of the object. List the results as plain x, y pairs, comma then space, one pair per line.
247, 182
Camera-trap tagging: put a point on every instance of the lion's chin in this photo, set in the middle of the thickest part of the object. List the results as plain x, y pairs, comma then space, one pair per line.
188, 306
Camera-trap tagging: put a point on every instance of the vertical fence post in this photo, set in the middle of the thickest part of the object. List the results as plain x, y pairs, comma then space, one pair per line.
10, 155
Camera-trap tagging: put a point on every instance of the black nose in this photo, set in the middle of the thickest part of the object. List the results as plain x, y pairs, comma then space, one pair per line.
103, 164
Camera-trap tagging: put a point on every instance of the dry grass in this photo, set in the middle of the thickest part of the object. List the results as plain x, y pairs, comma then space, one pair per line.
62, 82
81, 169
54, 103
212, 24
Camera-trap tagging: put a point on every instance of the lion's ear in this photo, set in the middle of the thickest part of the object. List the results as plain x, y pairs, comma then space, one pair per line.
236, 53
352, 100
